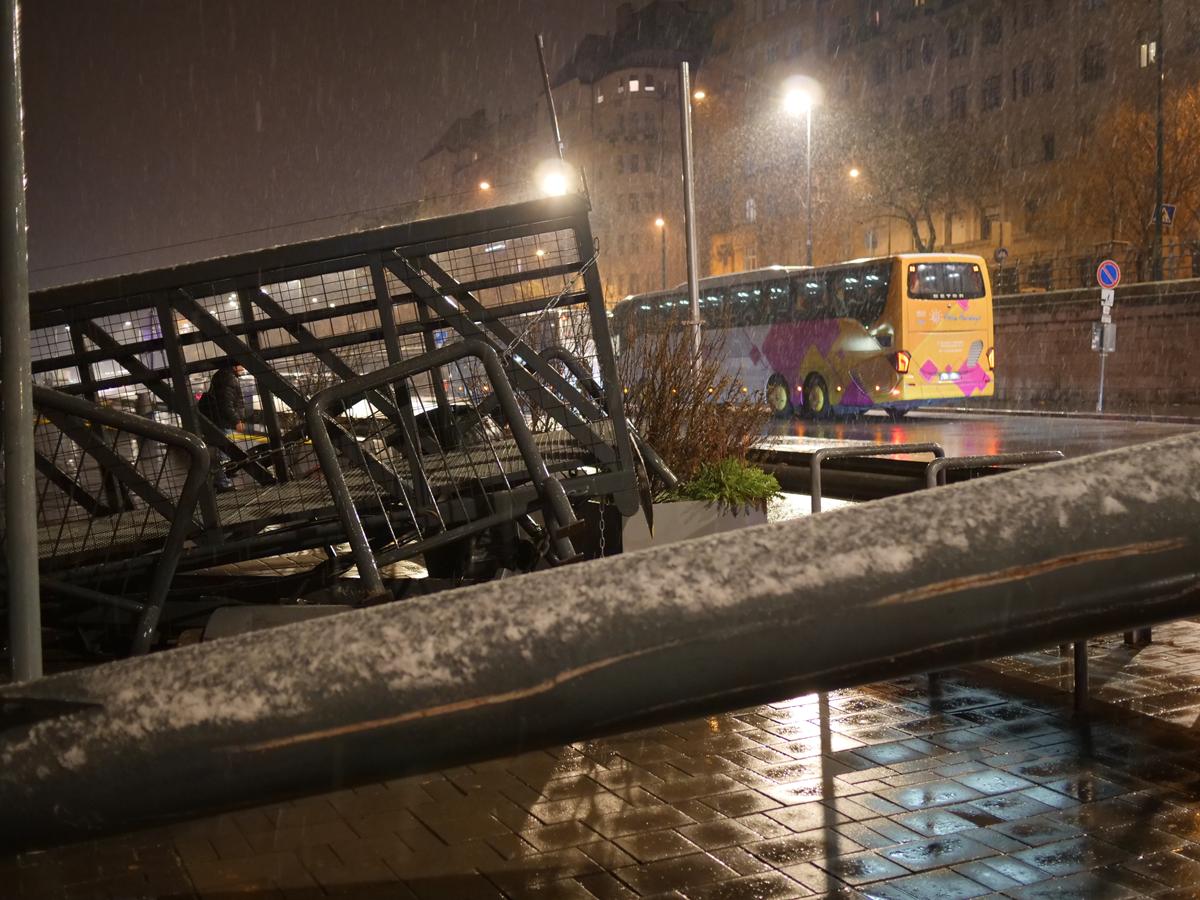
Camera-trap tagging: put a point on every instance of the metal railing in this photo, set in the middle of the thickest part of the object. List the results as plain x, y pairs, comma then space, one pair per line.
1041, 272
118, 496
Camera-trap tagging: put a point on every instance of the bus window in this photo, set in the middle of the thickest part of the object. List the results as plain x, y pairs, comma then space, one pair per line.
777, 301
712, 307
745, 303
844, 287
945, 281
809, 296
870, 294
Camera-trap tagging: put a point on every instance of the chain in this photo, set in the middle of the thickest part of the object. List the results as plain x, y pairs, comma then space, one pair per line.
602, 535
568, 286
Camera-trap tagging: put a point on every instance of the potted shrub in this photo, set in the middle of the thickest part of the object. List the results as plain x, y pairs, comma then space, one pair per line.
703, 422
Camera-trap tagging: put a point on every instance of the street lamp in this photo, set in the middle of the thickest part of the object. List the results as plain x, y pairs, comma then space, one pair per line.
854, 172
800, 96
699, 95
661, 224
485, 185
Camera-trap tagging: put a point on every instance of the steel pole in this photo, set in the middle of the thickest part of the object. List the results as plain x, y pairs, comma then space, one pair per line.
1090, 546
1103, 359
689, 204
20, 494
541, 51
1160, 141
662, 240
808, 195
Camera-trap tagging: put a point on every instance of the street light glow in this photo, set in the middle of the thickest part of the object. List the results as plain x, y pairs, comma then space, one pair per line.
660, 222
854, 173
485, 185
801, 94
699, 95
555, 178
554, 184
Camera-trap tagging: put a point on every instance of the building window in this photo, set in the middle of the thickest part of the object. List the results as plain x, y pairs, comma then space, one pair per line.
634, 85
993, 30
633, 163
927, 110
621, 85
1049, 71
751, 257
1028, 17
989, 221
958, 42
797, 46
620, 164
1095, 63
991, 97
1027, 79
633, 202
958, 102
1048, 150
649, 84
1147, 53
751, 210
599, 98
1091, 5
908, 55
928, 51
772, 53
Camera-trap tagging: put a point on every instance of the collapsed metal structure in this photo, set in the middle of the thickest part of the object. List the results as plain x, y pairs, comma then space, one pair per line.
431, 390
901, 585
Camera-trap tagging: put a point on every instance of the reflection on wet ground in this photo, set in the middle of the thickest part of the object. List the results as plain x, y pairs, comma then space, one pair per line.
984, 434
977, 782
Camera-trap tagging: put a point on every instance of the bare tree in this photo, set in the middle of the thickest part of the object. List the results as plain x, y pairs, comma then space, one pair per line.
1113, 184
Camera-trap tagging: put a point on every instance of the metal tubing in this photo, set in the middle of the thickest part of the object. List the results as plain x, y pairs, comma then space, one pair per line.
270, 414
1089, 546
20, 492
934, 476
180, 514
825, 453
550, 489
689, 204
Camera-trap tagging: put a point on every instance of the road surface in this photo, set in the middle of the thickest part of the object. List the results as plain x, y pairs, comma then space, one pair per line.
978, 434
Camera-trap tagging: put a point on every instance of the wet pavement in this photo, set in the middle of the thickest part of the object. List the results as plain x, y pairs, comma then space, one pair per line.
977, 782
982, 434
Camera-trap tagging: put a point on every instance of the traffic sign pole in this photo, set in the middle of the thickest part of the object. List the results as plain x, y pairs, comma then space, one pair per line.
1108, 274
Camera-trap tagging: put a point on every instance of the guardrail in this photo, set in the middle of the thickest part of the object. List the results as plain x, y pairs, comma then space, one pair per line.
1050, 272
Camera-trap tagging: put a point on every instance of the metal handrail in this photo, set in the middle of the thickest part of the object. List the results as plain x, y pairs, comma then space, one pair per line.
549, 488
934, 473
183, 518
854, 452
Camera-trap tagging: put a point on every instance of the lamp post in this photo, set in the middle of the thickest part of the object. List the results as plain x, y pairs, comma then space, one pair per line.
801, 97
661, 224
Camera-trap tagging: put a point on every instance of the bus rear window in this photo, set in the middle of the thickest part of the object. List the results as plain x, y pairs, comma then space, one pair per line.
945, 281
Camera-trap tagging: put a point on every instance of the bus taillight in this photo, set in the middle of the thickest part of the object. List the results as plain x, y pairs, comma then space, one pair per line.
901, 360
991, 358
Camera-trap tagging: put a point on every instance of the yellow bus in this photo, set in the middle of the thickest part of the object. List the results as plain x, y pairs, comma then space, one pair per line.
892, 333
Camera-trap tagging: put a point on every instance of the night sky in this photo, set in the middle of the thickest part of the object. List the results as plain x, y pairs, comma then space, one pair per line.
155, 123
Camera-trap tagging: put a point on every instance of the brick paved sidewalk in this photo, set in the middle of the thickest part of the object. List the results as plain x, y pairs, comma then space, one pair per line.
984, 787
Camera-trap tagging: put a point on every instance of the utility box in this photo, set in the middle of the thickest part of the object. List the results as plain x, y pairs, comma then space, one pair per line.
1104, 337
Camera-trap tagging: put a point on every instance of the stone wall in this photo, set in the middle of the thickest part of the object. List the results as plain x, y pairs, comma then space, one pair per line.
1044, 357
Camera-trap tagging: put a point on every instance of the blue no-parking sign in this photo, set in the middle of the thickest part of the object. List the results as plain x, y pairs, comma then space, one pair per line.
1108, 274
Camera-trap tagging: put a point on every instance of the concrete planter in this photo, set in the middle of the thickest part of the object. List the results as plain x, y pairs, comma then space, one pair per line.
683, 520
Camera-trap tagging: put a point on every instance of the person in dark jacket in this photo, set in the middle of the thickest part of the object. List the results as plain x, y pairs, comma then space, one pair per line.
224, 405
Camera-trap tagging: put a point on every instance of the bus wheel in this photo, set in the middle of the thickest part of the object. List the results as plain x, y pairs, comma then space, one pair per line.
778, 397
816, 397
897, 414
